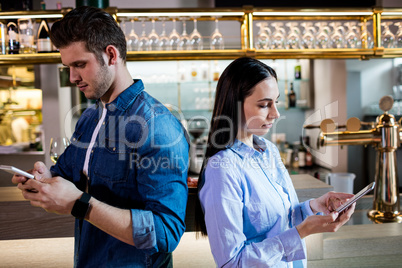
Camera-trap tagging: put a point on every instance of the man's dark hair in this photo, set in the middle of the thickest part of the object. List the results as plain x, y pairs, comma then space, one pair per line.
93, 26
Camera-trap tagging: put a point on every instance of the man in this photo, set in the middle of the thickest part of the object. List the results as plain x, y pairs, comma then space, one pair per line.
124, 175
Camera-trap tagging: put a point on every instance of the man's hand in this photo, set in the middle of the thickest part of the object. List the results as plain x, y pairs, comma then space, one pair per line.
55, 195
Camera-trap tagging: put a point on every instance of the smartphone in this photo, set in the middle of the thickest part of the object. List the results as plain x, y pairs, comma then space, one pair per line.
14, 170
357, 196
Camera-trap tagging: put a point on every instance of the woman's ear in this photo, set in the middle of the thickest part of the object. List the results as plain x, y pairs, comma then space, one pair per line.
112, 55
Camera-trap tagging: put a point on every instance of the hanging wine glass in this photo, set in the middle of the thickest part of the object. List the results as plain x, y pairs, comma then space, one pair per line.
366, 38
387, 37
217, 38
337, 36
263, 40
143, 41
174, 38
132, 39
153, 38
322, 38
278, 36
352, 35
293, 37
196, 38
308, 38
185, 43
163, 38
398, 35
123, 27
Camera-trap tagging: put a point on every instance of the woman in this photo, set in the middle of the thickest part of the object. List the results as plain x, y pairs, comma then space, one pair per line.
249, 206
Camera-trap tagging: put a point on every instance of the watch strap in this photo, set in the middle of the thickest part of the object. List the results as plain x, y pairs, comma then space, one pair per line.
81, 206
85, 197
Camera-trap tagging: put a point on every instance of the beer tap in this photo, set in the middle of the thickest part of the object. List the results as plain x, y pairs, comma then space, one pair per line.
385, 136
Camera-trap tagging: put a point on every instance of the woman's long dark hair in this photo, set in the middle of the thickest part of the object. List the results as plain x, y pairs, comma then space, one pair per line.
235, 84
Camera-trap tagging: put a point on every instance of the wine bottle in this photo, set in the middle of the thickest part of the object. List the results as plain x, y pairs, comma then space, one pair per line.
13, 43
2, 39
298, 70
44, 45
302, 154
292, 96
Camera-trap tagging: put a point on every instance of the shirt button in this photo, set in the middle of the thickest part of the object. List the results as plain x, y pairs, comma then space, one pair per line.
74, 139
92, 151
103, 123
114, 148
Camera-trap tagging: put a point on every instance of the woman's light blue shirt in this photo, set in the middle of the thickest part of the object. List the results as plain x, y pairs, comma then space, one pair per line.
251, 208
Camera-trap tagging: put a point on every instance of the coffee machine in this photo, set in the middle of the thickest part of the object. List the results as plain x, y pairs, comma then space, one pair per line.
196, 128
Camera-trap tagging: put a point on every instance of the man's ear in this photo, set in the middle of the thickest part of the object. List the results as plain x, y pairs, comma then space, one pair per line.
112, 55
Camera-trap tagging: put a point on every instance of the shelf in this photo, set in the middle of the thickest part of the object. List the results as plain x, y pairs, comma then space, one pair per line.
246, 16
24, 59
48, 58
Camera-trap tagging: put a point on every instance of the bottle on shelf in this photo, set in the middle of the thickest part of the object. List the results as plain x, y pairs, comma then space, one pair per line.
302, 154
298, 70
295, 156
43, 39
194, 73
309, 156
26, 36
216, 72
12, 33
292, 96
3, 44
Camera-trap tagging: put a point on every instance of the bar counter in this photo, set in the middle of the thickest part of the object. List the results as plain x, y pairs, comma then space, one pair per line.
31, 237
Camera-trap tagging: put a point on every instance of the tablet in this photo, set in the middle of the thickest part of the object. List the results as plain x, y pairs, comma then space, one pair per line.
14, 170
357, 196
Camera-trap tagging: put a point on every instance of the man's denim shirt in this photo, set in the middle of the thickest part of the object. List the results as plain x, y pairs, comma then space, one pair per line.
139, 162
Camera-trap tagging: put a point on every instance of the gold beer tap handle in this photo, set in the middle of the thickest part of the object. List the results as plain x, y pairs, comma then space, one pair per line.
353, 124
327, 125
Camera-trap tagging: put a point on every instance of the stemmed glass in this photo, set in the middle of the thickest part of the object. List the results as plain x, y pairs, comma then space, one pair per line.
398, 37
366, 37
57, 147
132, 39
308, 38
293, 37
278, 36
143, 41
153, 38
387, 37
196, 38
174, 38
217, 38
337, 36
163, 38
263, 40
352, 35
322, 38
185, 43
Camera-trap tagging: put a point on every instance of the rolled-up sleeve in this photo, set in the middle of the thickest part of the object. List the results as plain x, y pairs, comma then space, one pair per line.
162, 184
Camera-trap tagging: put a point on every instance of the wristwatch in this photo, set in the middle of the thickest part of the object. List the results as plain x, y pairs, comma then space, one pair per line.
81, 207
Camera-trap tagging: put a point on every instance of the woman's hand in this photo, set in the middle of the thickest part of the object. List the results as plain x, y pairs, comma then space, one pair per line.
326, 223
329, 202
